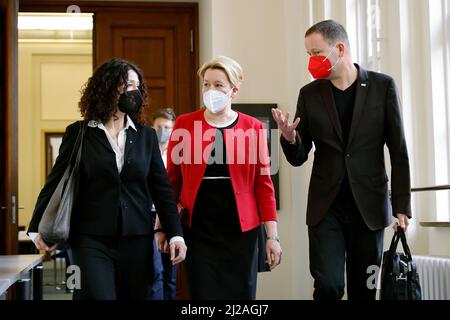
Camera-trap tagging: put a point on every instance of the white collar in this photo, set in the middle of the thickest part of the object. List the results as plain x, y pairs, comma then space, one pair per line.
99, 124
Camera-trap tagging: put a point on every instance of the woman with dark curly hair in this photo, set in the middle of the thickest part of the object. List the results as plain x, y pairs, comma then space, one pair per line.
121, 175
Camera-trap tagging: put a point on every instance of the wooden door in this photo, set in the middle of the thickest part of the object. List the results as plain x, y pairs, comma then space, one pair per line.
162, 38
8, 125
162, 45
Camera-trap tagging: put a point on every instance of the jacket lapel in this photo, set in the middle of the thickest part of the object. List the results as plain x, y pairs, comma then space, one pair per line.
100, 136
129, 144
327, 95
362, 87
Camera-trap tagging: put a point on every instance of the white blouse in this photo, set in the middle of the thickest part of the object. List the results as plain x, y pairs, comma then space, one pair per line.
119, 147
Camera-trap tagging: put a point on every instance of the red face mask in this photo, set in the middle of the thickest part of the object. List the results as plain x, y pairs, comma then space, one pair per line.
320, 67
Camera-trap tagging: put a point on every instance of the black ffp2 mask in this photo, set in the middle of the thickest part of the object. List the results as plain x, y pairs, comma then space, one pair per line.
130, 102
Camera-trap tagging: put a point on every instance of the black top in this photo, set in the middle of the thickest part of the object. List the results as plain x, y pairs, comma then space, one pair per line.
217, 163
344, 203
345, 101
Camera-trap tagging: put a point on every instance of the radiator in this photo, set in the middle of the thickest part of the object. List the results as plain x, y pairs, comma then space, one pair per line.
434, 276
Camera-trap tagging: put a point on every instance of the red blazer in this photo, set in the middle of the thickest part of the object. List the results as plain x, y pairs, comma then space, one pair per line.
189, 149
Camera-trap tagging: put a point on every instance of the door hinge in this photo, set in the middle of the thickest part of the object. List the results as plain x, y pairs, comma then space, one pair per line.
192, 40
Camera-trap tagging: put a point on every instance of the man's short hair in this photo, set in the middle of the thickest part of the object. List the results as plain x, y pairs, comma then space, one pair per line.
331, 31
166, 113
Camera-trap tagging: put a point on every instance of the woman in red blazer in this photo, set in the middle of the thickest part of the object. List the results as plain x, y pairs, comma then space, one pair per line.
219, 166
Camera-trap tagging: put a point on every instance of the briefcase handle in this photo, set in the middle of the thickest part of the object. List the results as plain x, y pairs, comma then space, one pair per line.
399, 235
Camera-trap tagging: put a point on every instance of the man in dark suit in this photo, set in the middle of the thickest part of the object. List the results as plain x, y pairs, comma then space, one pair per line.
349, 114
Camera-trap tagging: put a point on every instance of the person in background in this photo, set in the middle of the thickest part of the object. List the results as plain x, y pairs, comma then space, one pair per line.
225, 191
165, 284
350, 114
121, 175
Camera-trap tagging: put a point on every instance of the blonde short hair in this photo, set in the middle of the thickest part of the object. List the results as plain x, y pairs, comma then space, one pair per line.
231, 68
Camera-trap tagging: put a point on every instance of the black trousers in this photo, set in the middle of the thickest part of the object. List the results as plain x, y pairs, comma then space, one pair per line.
342, 242
113, 267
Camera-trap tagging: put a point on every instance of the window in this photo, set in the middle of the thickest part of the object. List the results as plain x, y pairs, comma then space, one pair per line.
363, 27
373, 35
441, 106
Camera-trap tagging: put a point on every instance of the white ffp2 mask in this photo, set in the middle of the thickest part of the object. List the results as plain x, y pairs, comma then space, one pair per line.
215, 100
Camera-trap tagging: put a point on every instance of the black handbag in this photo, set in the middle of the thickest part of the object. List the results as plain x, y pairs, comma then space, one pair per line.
399, 277
55, 223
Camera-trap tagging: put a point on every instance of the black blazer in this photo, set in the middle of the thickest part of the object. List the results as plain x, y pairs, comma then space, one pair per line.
103, 192
376, 122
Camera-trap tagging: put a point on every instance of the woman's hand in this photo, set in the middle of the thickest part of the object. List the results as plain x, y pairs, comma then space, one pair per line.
273, 250
42, 245
177, 252
161, 242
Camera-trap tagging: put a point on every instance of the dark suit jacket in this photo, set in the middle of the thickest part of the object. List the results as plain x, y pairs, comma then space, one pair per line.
376, 122
103, 191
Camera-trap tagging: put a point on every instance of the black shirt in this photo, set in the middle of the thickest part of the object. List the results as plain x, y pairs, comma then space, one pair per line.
217, 164
345, 101
344, 203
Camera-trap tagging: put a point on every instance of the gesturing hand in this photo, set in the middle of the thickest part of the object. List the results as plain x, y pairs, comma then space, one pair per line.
287, 130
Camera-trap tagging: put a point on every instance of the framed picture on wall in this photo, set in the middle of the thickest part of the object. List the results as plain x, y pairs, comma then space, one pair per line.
52, 143
262, 112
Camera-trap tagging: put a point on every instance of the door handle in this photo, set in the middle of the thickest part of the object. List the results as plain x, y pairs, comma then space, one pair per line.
14, 209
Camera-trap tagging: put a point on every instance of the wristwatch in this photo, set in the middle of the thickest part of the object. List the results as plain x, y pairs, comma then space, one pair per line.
276, 238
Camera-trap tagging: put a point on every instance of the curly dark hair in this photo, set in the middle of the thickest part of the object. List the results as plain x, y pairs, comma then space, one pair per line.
100, 94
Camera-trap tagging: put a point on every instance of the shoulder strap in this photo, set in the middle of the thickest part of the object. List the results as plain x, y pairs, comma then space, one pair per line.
78, 144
